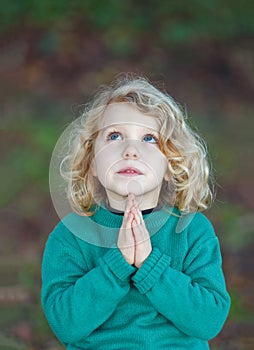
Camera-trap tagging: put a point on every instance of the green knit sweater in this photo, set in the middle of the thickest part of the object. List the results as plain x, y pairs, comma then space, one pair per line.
93, 299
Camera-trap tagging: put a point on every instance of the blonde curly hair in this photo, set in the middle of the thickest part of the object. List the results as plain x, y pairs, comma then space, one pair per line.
190, 188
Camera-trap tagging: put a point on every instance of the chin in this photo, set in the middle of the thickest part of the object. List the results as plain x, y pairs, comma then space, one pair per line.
130, 187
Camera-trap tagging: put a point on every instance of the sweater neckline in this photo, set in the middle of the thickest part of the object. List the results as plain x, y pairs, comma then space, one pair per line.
102, 228
153, 220
121, 213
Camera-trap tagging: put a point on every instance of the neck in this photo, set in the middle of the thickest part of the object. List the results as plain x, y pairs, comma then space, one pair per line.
145, 202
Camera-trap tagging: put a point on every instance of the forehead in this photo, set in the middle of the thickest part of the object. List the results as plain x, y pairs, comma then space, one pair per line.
126, 113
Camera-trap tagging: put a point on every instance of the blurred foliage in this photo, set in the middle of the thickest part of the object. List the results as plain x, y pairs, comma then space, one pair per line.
27, 159
238, 311
122, 24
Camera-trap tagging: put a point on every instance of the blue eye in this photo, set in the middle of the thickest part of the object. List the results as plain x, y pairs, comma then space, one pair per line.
150, 138
114, 136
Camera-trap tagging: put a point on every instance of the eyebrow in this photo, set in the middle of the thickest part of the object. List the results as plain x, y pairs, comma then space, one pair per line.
119, 127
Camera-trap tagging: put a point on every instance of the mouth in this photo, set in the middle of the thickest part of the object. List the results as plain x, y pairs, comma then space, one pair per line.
130, 171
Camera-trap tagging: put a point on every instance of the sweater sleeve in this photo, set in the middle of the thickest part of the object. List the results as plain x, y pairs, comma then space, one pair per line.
194, 300
77, 301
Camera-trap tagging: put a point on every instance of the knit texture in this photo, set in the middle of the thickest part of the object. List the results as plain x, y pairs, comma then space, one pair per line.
93, 299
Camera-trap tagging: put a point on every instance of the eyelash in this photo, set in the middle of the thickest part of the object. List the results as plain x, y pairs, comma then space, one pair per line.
112, 133
117, 132
154, 136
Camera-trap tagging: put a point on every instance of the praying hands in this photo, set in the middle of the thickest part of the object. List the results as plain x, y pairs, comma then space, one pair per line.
134, 240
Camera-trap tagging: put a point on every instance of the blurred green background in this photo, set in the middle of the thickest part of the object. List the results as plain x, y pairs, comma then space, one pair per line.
53, 56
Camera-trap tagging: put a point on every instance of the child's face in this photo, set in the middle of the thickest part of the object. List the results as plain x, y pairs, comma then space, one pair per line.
127, 156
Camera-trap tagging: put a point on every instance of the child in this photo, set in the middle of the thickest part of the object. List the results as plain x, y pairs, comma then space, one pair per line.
136, 265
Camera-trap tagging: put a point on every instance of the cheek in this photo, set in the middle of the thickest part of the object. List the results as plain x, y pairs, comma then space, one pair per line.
156, 157
104, 163
106, 150
162, 170
158, 163
103, 156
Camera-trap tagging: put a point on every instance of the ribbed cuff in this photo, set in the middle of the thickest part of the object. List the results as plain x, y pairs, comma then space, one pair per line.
118, 265
151, 270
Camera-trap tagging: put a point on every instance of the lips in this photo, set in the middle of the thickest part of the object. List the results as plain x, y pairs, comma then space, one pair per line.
130, 171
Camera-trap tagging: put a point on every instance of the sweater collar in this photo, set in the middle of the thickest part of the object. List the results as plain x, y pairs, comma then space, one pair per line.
102, 229
153, 220
121, 213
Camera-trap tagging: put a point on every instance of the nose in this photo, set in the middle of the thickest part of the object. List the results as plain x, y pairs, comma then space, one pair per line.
131, 152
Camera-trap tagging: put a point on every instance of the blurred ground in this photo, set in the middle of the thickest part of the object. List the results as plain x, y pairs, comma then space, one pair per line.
41, 88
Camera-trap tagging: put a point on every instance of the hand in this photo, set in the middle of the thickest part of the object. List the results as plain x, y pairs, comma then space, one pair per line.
143, 247
134, 240
126, 242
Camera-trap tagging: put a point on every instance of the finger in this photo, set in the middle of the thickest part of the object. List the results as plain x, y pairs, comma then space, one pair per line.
130, 199
127, 211
139, 213
138, 210
128, 204
125, 238
129, 220
126, 227
131, 196
136, 216
140, 232
135, 203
